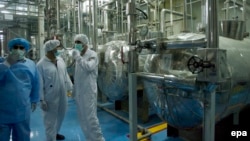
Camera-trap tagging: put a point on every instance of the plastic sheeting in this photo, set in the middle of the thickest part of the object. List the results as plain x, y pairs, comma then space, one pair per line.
112, 78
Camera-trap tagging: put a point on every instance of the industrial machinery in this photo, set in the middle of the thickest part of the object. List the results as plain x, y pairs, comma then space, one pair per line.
191, 60
180, 100
112, 79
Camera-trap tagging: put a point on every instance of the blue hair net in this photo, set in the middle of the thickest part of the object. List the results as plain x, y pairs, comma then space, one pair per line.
19, 41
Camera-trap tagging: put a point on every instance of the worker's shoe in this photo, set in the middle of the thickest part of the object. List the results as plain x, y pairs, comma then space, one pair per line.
60, 137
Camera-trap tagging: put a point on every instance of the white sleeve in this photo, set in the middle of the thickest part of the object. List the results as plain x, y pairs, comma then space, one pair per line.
41, 83
88, 64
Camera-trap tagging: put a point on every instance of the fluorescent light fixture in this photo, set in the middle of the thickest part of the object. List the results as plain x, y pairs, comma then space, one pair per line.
5, 12
21, 8
1, 31
1, 5
21, 13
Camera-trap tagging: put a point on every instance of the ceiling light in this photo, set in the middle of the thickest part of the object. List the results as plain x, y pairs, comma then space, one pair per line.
19, 13
5, 12
21, 8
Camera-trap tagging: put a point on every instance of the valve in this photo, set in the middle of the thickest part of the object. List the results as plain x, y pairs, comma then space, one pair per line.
196, 64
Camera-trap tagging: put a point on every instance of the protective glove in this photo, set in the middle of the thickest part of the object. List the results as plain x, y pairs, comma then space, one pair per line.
12, 58
33, 106
69, 93
75, 54
44, 105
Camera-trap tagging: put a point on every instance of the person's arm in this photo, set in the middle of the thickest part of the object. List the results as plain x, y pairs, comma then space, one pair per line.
41, 81
69, 84
89, 64
6, 63
34, 96
43, 103
3, 70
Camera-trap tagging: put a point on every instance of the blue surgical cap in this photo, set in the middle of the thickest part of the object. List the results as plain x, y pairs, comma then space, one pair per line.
19, 41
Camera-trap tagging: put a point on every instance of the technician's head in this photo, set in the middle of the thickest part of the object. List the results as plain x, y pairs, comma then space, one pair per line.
81, 42
18, 46
52, 48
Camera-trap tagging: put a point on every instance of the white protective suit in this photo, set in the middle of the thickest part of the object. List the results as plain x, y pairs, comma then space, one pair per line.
55, 83
85, 94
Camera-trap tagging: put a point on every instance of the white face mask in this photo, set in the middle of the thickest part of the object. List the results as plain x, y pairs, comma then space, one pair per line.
21, 53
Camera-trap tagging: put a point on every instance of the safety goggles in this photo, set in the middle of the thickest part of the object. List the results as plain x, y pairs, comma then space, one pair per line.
78, 42
18, 47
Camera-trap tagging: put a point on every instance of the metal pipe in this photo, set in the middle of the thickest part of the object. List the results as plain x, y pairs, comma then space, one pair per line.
108, 3
191, 19
119, 19
141, 128
162, 24
90, 25
118, 116
58, 16
106, 20
157, 14
122, 31
79, 16
41, 27
235, 8
74, 15
185, 16
132, 78
131, 18
226, 3
244, 15
68, 14
212, 24
192, 2
150, 76
209, 116
212, 42
203, 14
163, 11
166, 21
171, 18
94, 41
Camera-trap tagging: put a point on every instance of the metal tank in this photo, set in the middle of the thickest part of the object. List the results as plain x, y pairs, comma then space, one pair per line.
112, 77
113, 69
179, 100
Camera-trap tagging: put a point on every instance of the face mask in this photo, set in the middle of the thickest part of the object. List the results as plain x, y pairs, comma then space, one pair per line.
20, 53
79, 47
58, 52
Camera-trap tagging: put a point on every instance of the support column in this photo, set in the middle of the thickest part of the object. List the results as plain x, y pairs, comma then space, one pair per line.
41, 27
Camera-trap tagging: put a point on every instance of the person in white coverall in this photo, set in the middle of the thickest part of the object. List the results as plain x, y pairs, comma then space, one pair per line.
85, 88
55, 83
